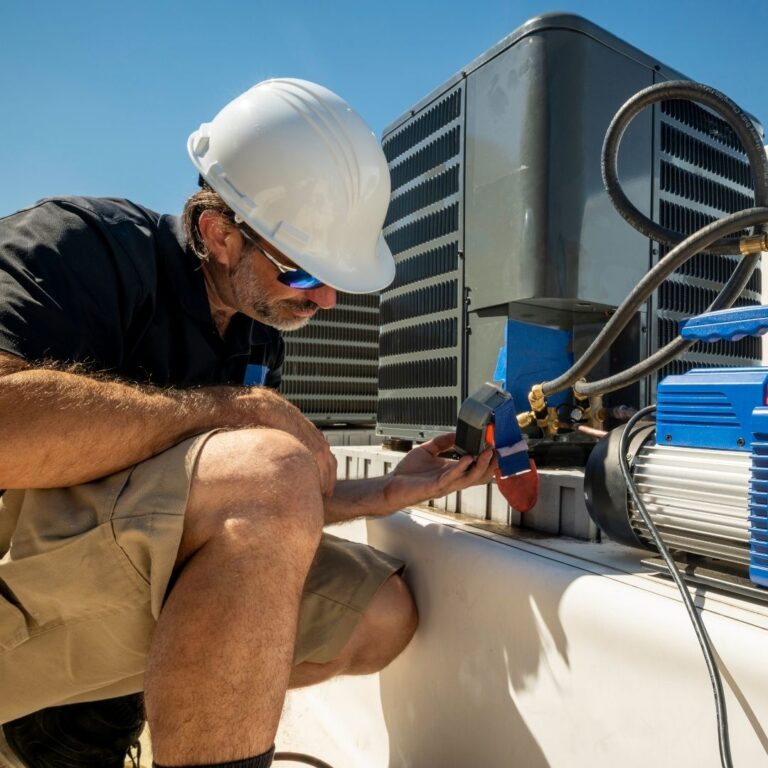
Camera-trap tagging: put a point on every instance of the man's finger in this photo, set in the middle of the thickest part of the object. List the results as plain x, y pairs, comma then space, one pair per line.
439, 443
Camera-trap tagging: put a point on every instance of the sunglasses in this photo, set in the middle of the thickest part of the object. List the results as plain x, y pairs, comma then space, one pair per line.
293, 277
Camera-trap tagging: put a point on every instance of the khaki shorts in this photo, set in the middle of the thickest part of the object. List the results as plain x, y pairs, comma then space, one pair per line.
85, 573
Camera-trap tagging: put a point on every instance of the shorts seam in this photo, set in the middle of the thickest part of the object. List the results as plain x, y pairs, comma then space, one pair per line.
122, 557
335, 601
54, 625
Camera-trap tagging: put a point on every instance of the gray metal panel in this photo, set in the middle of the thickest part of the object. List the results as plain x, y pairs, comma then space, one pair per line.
422, 313
539, 227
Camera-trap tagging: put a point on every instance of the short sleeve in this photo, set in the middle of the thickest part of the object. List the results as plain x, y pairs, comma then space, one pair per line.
69, 290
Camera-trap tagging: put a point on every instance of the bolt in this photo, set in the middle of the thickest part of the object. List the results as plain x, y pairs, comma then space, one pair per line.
740, 442
668, 438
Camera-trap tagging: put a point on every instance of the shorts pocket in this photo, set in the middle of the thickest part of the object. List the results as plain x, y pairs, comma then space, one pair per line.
13, 625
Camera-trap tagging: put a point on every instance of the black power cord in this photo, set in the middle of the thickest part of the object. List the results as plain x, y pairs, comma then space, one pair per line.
298, 757
698, 624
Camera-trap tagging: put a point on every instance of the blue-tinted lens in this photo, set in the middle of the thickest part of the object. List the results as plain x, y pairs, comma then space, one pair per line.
299, 279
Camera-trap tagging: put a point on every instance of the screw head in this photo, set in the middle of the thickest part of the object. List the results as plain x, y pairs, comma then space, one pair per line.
668, 438
741, 442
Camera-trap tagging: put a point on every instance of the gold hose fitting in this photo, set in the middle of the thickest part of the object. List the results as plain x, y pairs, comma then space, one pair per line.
525, 419
753, 244
536, 398
578, 395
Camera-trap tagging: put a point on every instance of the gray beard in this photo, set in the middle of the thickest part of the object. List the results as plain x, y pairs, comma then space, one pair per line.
269, 314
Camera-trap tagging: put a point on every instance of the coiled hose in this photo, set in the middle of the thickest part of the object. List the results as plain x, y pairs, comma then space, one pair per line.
711, 238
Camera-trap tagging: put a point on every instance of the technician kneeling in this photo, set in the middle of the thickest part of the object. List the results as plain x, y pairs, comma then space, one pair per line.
162, 531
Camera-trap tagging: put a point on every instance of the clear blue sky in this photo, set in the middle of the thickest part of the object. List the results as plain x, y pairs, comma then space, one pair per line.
98, 97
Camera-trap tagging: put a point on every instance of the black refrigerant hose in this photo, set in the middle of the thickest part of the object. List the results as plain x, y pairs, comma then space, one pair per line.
703, 94
640, 293
710, 238
698, 625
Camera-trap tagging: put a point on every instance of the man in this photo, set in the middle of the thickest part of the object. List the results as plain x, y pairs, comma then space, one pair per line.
162, 526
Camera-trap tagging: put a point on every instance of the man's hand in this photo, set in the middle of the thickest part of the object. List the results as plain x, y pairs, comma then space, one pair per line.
421, 475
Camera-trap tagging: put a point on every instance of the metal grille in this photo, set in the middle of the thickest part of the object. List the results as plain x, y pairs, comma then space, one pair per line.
701, 174
421, 342
330, 369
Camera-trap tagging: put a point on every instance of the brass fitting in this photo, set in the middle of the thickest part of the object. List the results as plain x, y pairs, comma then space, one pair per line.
551, 423
753, 244
596, 412
548, 422
536, 398
525, 419
578, 395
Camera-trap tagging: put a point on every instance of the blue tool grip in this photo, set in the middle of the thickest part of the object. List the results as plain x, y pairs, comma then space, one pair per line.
727, 324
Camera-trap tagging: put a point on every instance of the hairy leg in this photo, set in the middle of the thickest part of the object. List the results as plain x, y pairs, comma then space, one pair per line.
384, 630
221, 655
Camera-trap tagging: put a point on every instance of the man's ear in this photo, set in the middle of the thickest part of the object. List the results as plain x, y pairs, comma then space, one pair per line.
219, 236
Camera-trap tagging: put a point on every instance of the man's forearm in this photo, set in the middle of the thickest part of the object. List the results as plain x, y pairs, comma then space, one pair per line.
366, 497
59, 428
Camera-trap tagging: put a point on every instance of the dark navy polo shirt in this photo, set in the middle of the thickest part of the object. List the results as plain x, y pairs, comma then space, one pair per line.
112, 285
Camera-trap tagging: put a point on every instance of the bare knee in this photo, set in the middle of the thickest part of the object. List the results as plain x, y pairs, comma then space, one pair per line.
253, 484
386, 628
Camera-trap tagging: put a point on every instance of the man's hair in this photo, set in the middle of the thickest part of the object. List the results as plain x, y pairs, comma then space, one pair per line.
203, 200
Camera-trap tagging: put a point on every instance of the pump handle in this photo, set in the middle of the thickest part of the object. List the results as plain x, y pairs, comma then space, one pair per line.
726, 324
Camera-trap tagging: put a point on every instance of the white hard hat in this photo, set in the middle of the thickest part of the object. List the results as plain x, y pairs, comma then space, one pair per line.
304, 171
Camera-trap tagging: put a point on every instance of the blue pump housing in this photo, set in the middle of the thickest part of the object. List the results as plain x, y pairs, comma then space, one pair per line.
758, 498
710, 408
724, 409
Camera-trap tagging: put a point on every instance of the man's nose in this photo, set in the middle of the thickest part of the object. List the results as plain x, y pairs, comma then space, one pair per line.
324, 296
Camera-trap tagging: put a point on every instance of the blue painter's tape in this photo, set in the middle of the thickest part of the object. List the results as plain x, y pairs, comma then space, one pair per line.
532, 354
511, 448
255, 375
500, 374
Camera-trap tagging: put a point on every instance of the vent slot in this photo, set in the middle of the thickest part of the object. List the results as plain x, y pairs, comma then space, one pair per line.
703, 121
433, 154
419, 338
430, 227
438, 372
425, 125
701, 190
437, 261
684, 147
428, 192
435, 298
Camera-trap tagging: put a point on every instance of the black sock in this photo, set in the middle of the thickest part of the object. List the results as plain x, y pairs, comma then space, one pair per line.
259, 761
